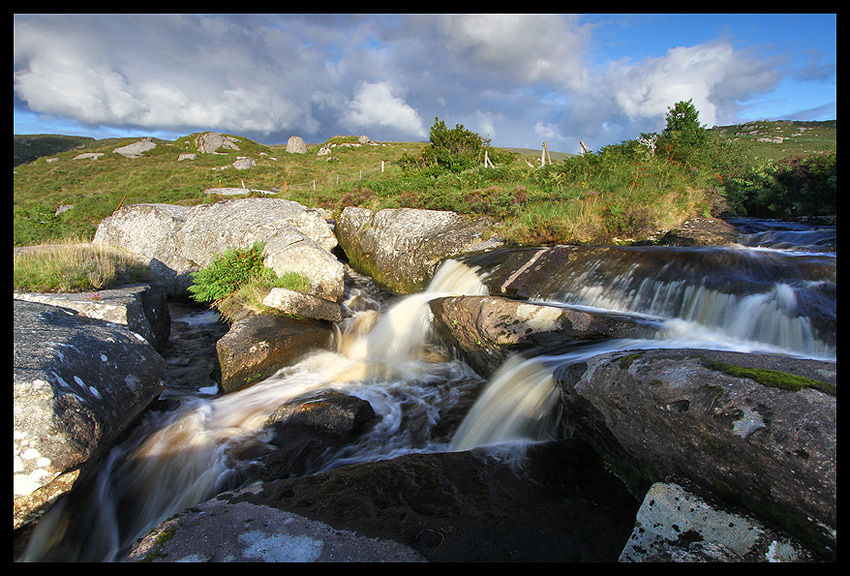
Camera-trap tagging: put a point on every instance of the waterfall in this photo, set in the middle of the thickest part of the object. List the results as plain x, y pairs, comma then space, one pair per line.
184, 457
735, 298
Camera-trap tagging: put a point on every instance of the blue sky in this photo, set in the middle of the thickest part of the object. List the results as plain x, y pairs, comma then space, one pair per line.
518, 79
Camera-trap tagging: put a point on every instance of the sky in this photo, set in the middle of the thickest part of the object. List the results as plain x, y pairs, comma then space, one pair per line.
517, 79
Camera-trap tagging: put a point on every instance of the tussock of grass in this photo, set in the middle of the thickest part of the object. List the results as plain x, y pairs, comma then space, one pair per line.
74, 267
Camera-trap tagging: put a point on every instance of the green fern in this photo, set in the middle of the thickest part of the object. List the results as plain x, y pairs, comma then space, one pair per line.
230, 271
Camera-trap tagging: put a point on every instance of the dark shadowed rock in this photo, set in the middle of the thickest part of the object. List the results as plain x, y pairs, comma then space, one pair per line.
558, 504
757, 431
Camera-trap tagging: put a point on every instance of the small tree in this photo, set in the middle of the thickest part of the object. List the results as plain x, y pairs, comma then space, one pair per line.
684, 137
455, 149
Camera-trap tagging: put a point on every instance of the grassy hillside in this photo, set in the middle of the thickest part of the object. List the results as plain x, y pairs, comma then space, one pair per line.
60, 195
776, 140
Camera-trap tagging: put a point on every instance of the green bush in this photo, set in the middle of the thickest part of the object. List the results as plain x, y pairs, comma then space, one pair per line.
229, 272
798, 186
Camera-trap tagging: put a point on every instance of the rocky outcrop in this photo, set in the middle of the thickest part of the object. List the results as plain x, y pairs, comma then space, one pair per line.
258, 346
756, 431
136, 149
401, 247
561, 505
179, 240
141, 307
79, 384
485, 330
210, 142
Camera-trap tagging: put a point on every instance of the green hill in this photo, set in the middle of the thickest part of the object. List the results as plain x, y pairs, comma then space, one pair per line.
29, 148
59, 194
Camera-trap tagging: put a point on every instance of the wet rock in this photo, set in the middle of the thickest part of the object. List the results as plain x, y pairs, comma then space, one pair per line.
556, 504
757, 431
208, 533
306, 429
485, 330
258, 346
701, 231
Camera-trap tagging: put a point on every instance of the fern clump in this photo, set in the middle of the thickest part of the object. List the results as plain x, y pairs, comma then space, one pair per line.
227, 273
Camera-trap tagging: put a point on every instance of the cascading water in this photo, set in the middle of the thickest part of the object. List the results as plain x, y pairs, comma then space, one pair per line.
184, 457
745, 298
740, 298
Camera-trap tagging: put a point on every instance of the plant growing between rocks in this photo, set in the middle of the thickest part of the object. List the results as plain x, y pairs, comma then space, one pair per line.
239, 279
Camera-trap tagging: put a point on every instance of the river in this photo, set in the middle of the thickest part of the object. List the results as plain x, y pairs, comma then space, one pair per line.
765, 294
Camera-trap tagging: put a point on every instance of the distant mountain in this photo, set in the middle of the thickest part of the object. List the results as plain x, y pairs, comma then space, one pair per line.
33, 146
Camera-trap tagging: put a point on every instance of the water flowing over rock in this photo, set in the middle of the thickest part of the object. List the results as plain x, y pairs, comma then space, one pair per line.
79, 384
401, 247
697, 380
714, 419
179, 240
485, 330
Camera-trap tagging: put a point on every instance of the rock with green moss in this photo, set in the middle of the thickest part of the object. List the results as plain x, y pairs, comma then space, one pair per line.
758, 431
400, 248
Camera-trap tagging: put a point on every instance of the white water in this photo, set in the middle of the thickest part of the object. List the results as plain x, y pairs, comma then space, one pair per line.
385, 357
203, 448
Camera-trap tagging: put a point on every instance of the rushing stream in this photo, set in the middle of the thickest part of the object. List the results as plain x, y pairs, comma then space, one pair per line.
781, 275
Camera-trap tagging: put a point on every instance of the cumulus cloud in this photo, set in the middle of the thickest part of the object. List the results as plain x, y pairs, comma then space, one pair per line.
517, 79
375, 104
713, 75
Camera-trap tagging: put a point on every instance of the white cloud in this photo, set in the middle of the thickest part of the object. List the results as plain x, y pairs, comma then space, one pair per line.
713, 74
375, 104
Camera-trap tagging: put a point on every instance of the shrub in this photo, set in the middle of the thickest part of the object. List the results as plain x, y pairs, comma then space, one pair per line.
229, 272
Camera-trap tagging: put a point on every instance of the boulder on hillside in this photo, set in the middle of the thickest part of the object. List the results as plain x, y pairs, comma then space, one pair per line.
141, 307
136, 149
757, 431
400, 248
179, 240
296, 145
485, 330
258, 346
79, 384
210, 142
